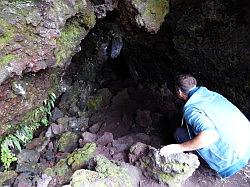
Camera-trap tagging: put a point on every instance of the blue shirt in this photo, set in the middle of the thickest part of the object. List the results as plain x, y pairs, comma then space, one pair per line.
208, 110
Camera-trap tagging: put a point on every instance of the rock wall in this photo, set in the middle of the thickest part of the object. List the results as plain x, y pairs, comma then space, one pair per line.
37, 35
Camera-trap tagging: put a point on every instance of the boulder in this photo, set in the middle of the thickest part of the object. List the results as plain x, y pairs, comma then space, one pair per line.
105, 139
68, 142
88, 137
145, 14
64, 169
107, 173
172, 170
27, 156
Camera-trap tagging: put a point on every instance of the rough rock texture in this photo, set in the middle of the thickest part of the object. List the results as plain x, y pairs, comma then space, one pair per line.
107, 174
145, 14
20, 99
172, 170
6, 177
63, 170
40, 34
68, 142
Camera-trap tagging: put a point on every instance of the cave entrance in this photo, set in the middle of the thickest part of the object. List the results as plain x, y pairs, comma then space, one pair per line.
103, 86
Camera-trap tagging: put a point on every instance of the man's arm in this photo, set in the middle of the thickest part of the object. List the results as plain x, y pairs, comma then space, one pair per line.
202, 140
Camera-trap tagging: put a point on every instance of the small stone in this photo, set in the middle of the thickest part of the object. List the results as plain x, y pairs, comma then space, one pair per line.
121, 157
49, 133
56, 114
95, 128
44, 181
78, 124
123, 143
38, 144
34, 168
89, 137
24, 180
27, 156
63, 121
105, 139
57, 129
18, 38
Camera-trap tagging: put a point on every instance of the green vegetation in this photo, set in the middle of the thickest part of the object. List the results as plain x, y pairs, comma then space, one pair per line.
12, 143
68, 41
7, 36
74, 161
6, 59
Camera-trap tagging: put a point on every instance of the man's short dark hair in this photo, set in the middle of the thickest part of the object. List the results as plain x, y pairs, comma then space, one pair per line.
186, 82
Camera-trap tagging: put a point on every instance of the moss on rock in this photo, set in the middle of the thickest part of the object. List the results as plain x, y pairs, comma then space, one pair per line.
7, 176
67, 142
106, 174
76, 160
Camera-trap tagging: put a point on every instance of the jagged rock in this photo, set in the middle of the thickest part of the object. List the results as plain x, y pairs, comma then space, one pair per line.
172, 170
57, 129
56, 114
44, 181
6, 178
68, 142
79, 124
24, 180
51, 32
63, 121
123, 143
21, 107
26, 156
88, 137
102, 7
106, 173
105, 139
144, 13
38, 144
116, 47
95, 128
34, 168
99, 100
64, 169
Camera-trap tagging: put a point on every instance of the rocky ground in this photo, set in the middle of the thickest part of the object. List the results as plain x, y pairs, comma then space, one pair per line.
111, 139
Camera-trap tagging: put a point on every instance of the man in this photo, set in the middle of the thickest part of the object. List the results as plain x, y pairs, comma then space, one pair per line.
216, 129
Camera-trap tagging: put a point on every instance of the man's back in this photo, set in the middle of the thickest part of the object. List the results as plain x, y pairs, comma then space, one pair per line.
207, 110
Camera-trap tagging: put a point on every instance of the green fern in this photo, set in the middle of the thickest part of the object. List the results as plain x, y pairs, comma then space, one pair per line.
25, 134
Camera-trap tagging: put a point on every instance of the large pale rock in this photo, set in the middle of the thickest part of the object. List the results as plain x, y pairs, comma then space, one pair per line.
107, 173
147, 14
40, 34
172, 170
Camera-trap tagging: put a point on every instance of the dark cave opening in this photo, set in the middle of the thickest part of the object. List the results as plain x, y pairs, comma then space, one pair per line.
140, 92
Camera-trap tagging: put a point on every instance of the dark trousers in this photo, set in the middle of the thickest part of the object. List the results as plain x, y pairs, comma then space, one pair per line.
181, 135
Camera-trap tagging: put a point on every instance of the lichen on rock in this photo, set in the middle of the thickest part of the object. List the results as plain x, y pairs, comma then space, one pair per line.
106, 174
147, 14
63, 170
36, 35
172, 170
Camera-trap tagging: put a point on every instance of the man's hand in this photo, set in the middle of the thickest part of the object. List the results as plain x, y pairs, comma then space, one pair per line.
171, 149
